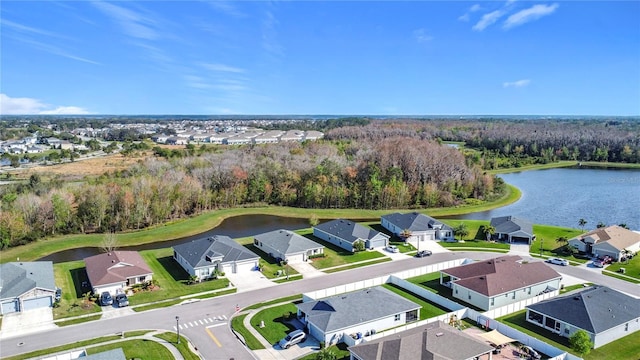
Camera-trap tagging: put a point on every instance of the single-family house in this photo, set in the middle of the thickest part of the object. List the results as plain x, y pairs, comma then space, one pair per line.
205, 257
344, 233
605, 314
359, 312
116, 271
513, 229
493, 283
610, 240
287, 245
26, 285
419, 226
436, 340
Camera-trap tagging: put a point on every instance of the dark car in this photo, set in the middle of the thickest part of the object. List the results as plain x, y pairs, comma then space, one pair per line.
106, 299
122, 300
423, 253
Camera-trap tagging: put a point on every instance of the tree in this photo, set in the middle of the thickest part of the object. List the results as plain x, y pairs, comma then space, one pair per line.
461, 230
109, 242
313, 220
624, 226
326, 354
489, 231
601, 225
581, 342
358, 245
562, 240
582, 222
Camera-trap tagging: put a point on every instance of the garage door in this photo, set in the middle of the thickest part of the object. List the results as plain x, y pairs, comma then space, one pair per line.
36, 303
245, 267
9, 307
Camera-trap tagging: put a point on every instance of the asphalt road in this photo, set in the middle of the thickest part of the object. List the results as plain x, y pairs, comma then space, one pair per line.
207, 322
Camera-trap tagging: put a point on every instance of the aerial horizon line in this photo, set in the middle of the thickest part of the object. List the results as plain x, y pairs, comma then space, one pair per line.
327, 115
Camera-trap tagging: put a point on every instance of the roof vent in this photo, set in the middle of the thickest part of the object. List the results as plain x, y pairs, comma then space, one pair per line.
576, 298
481, 277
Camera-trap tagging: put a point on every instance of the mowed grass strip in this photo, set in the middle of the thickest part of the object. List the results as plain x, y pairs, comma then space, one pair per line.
428, 309
142, 349
237, 323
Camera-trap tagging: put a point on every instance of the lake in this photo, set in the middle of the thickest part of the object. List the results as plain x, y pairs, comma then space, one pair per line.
563, 196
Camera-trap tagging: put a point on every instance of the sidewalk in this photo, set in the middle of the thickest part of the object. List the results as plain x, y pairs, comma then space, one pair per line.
307, 270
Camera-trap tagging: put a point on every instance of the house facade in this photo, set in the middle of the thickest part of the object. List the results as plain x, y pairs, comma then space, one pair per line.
613, 241
26, 285
205, 257
432, 341
344, 233
287, 245
513, 229
421, 227
605, 314
505, 280
357, 313
116, 271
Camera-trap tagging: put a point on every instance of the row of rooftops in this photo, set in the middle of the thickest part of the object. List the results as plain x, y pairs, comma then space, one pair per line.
254, 136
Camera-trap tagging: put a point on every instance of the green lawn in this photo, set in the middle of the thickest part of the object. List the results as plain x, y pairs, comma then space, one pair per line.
270, 267
78, 320
291, 298
183, 347
546, 236
341, 351
431, 282
632, 268
353, 266
428, 309
250, 340
626, 348
275, 319
136, 349
335, 255
69, 277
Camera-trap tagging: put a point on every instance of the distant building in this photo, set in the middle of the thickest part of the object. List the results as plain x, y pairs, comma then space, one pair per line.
611, 240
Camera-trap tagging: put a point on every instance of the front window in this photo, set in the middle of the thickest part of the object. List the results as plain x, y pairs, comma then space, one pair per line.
534, 316
397, 317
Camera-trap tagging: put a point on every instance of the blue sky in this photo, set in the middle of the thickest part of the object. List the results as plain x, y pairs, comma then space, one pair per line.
320, 57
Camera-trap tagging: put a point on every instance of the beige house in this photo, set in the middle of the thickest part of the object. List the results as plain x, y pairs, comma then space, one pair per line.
610, 240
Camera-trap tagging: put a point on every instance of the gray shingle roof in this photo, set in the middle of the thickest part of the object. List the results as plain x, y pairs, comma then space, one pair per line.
348, 230
287, 242
345, 310
217, 248
596, 309
113, 354
511, 224
414, 221
16, 278
432, 341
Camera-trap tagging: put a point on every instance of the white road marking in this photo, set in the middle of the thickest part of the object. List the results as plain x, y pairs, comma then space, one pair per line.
214, 325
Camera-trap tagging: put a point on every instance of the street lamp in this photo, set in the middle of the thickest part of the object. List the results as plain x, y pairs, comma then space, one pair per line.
541, 242
178, 328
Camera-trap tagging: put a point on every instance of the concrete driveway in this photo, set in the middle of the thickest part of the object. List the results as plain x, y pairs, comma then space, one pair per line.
251, 280
306, 269
31, 321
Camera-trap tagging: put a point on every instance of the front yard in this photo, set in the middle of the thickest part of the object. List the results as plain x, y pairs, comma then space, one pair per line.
335, 255
70, 277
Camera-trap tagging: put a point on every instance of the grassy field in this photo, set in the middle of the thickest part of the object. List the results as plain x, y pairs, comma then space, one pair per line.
428, 309
275, 319
631, 267
340, 351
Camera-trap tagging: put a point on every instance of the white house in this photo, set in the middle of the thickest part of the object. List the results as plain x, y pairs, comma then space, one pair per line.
287, 245
610, 240
116, 271
421, 227
605, 314
360, 312
344, 233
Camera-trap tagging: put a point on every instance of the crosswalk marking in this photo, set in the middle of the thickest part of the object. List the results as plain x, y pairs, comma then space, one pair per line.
200, 321
205, 320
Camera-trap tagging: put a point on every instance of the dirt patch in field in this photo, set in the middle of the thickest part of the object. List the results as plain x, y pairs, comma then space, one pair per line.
82, 168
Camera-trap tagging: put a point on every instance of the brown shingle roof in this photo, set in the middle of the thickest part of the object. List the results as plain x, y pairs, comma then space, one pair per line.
619, 237
114, 267
500, 275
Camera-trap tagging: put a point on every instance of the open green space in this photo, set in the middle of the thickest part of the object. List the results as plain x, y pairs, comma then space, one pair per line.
183, 347
78, 320
631, 269
626, 348
70, 277
428, 309
431, 282
276, 321
249, 340
142, 349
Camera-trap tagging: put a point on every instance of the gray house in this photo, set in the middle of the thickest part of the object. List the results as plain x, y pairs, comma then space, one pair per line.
511, 228
26, 285
287, 245
345, 233
203, 257
433, 341
420, 226
364, 311
605, 314
505, 280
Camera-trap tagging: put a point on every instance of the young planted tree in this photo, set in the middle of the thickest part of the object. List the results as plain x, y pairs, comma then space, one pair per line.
581, 342
109, 242
489, 231
461, 230
405, 234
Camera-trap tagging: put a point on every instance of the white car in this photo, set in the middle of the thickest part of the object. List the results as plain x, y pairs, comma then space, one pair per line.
292, 338
393, 249
558, 261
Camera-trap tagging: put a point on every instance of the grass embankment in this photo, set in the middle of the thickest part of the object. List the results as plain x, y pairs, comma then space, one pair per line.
249, 340
553, 165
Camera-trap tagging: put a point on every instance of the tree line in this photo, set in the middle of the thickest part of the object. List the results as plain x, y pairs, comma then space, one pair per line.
396, 172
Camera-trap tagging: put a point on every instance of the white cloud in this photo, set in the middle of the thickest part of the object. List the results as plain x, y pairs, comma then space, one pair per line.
488, 19
28, 29
227, 7
533, 13
133, 24
30, 106
516, 84
222, 68
422, 36
467, 15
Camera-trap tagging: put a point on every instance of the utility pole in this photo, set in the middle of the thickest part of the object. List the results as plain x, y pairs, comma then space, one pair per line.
178, 328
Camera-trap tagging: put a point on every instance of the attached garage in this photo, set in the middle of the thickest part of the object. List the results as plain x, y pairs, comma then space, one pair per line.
243, 267
376, 242
9, 307
36, 303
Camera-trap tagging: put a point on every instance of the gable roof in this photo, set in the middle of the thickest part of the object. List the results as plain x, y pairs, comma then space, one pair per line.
17, 278
512, 225
500, 275
596, 309
616, 236
362, 306
114, 267
287, 242
415, 221
433, 341
348, 230
217, 248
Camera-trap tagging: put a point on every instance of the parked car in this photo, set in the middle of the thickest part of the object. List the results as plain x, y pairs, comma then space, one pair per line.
122, 300
392, 248
423, 253
58, 295
528, 350
598, 263
607, 259
558, 261
106, 299
292, 338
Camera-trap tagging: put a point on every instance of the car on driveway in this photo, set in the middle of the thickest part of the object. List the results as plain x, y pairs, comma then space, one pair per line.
598, 264
423, 253
106, 299
294, 337
392, 249
558, 261
122, 300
